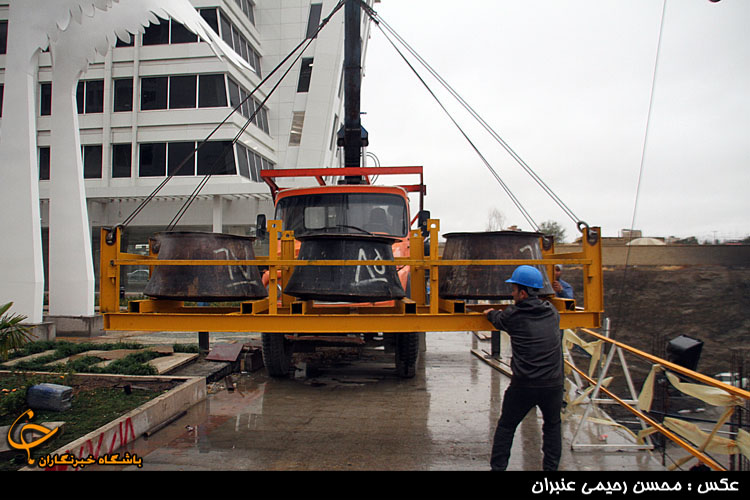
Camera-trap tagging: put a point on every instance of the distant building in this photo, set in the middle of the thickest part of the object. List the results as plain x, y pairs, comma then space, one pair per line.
631, 233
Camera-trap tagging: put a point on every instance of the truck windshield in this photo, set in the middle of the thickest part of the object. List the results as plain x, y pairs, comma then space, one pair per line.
351, 213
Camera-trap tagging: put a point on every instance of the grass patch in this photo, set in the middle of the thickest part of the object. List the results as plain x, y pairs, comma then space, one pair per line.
133, 364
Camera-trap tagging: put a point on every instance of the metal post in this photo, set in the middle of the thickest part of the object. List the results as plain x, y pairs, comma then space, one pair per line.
203, 344
352, 85
495, 344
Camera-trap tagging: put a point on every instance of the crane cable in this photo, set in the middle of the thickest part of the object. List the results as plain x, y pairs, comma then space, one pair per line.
203, 182
377, 19
497, 177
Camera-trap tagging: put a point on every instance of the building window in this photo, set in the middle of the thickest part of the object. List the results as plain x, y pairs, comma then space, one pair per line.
45, 100
182, 91
159, 159
92, 162
216, 158
177, 153
154, 93
295, 135
341, 83
122, 157
166, 32
212, 92
333, 132
2, 98
251, 163
123, 94
314, 19
242, 163
157, 34
226, 30
90, 96
211, 18
239, 95
95, 96
44, 163
123, 43
152, 160
248, 8
3, 36
305, 73
180, 34
231, 35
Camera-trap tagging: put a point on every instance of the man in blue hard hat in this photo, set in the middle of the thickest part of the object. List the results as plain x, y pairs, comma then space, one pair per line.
537, 365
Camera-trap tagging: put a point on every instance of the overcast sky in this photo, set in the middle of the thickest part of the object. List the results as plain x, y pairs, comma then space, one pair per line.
567, 85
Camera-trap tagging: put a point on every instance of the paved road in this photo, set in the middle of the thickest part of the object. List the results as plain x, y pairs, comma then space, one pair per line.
356, 414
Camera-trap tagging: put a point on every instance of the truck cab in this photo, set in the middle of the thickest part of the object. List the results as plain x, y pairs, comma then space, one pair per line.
346, 209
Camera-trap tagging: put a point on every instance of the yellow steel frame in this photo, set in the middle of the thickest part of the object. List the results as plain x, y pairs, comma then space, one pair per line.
422, 312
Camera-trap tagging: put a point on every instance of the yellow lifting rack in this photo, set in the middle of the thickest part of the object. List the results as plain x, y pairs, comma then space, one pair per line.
422, 312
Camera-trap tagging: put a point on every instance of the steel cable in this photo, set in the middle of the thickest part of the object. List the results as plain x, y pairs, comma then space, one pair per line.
497, 177
566, 209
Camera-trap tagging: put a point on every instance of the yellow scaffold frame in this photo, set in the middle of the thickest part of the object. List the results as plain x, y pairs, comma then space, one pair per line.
422, 312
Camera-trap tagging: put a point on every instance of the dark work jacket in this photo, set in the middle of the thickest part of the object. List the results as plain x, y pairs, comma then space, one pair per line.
534, 329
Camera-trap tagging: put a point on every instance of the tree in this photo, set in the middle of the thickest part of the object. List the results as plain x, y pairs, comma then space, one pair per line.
690, 240
495, 220
552, 228
13, 334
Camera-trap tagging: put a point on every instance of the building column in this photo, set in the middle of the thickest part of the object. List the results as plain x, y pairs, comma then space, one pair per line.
21, 261
71, 265
218, 213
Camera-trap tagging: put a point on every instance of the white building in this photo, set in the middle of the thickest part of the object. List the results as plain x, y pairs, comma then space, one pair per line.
146, 105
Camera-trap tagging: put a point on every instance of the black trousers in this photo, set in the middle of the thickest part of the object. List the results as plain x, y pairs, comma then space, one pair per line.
517, 402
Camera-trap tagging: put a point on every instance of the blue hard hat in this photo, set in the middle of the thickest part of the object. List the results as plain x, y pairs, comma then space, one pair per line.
527, 276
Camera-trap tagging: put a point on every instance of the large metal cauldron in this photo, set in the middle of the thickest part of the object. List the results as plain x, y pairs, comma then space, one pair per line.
487, 282
345, 283
204, 283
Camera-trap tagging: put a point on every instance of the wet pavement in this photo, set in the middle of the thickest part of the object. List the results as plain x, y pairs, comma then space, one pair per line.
356, 414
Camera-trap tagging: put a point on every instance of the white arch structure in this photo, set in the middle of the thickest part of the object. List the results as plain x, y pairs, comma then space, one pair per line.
75, 31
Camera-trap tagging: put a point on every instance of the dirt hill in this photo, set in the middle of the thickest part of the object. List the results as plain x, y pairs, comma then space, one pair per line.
649, 306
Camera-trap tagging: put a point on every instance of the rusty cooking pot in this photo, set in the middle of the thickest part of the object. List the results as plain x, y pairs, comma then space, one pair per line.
204, 283
345, 283
487, 282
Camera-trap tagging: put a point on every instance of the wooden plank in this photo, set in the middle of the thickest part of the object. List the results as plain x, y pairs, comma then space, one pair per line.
165, 364
483, 335
494, 363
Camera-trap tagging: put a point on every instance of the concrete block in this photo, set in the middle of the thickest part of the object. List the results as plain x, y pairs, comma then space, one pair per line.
43, 331
78, 326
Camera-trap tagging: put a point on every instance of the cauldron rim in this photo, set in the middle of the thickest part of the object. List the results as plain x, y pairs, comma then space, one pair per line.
488, 233
204, 233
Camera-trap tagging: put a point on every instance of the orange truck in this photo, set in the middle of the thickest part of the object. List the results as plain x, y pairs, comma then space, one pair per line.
372, 216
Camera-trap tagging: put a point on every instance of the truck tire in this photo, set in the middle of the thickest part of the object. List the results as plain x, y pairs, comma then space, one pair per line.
277, 354
407, 352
